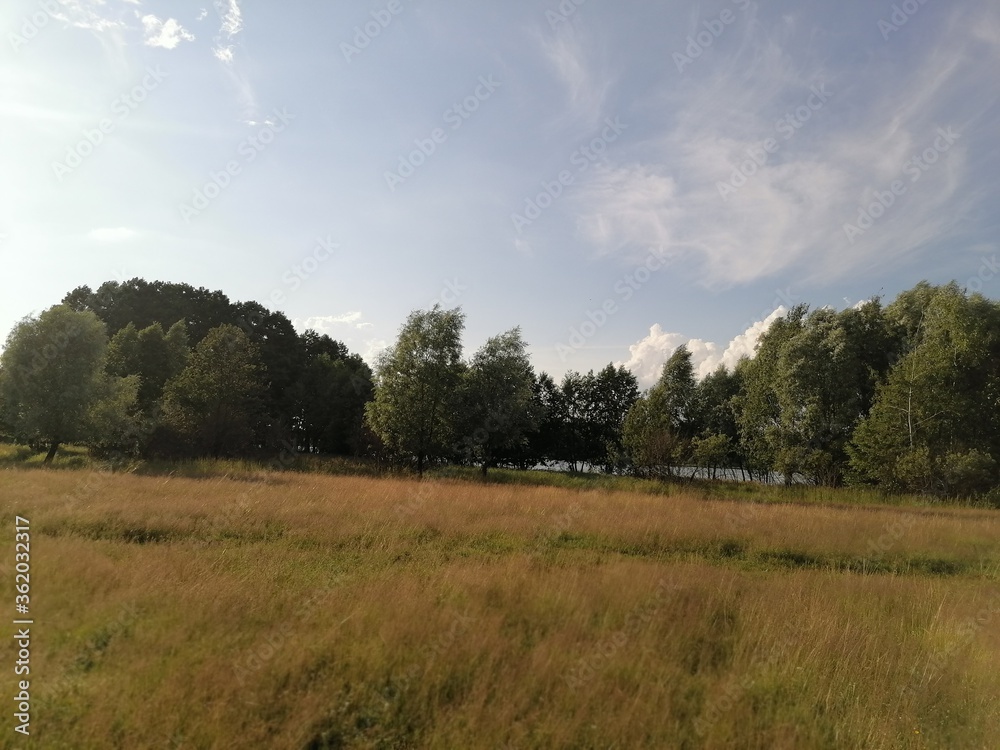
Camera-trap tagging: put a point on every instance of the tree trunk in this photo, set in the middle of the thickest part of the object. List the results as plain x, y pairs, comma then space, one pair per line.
486, 467
420, 465
52, 452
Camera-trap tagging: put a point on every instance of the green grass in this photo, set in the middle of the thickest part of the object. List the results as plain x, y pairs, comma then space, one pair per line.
239, 608
77, 457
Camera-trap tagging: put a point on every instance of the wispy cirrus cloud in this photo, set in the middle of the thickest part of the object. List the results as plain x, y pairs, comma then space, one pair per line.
231, 18
107, 24
224, 49
835, 152
90, 15
576, 60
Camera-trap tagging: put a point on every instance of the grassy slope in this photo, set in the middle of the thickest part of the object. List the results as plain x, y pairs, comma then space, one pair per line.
302, 610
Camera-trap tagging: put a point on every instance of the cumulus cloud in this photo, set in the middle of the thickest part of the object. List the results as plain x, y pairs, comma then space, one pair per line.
649, 354
166, 34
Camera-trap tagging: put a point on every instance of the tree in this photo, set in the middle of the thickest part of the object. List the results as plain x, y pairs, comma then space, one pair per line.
932, 428
498, 406
53, 386
825, 384
757, 405
282, 357
330, 395
660, 426
416, 383
545, 440
150, 354
144, 304
714, 409
613, 393
576, 444
215, 402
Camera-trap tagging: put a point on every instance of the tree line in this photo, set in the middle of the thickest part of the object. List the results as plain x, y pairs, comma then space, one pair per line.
902, 396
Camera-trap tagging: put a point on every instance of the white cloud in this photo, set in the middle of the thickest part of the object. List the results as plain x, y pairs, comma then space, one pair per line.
340, 327
83, 15
373, 347
166, 34
649, 354
575, 62
330, 323
232, 20
111, 234
790, 214
202, 15
93, 16
232, 24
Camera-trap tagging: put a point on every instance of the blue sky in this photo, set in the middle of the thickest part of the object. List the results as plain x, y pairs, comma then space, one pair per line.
617, 179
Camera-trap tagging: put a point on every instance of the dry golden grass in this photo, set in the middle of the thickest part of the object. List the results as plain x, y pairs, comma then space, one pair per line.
304, 611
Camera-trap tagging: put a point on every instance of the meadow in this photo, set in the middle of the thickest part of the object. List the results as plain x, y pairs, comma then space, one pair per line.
228, 606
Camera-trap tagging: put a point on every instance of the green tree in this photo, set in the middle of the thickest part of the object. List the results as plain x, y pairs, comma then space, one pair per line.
154, 356
416, 385
53, 386
826, 378
576, 444
757, 406
498, 405
143, 304
812, 381
544, 442
215, 402
932, 428
714, 408
661, 424
613, 393
332, 389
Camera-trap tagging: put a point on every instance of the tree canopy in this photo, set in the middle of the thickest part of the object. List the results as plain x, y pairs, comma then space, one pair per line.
902, 396
416, 385
53, 383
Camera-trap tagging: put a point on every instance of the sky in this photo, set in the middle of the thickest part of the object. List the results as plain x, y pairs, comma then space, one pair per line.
617, 179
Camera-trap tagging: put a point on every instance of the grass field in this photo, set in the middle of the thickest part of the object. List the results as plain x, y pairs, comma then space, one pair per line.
298, 610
